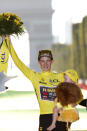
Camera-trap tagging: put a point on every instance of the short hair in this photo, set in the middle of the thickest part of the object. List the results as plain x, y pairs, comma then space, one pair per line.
43, 53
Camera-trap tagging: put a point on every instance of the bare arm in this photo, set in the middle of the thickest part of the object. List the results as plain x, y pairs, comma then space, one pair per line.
55, 115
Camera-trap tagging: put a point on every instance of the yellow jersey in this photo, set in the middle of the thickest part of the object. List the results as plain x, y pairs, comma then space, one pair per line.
44, 83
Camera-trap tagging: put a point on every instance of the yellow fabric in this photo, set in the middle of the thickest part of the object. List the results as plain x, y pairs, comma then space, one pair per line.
4, 56
72, 74
44, 83
68, 114
65, 107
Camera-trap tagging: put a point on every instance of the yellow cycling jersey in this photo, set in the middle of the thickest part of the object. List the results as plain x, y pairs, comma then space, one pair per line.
44, 83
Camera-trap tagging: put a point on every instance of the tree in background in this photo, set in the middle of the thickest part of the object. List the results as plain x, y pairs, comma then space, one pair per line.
62, 57
73, 55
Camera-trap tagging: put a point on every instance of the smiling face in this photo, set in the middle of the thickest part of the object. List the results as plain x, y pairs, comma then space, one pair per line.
45, 63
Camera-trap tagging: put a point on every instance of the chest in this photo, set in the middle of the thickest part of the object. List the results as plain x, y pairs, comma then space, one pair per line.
50, 81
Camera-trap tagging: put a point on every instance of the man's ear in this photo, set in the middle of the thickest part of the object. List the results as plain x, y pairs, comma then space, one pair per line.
52, 61
38, 62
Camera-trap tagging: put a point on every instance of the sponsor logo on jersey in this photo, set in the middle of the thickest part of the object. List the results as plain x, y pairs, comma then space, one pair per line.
54, 81
47, 93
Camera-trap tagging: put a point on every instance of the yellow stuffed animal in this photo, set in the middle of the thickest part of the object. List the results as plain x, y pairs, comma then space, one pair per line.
68, 96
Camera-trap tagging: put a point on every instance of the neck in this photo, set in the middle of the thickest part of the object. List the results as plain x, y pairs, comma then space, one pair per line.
46, 71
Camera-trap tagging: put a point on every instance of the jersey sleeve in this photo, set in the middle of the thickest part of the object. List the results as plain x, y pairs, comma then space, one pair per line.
30, 74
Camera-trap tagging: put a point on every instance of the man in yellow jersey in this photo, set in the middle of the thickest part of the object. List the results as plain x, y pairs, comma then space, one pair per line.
44, 84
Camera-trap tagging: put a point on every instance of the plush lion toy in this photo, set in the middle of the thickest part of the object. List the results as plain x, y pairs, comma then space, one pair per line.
68, 95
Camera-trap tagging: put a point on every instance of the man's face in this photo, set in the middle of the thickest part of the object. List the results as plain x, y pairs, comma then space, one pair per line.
67, 79
45, 63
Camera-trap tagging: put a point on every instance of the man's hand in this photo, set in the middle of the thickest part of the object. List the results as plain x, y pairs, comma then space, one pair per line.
4, 37
51, 127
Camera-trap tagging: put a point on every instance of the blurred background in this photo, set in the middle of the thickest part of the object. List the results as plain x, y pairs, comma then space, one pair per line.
59, 25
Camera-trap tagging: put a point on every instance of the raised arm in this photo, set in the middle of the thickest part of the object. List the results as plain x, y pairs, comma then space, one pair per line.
31, 75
